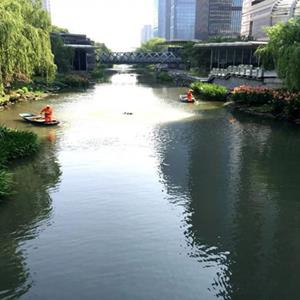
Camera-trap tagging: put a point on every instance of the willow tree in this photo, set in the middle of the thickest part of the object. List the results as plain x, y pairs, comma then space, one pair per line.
25, 48
283, 50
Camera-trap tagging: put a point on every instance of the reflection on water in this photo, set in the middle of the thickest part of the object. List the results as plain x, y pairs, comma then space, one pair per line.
238, 184
23, 217
173, 201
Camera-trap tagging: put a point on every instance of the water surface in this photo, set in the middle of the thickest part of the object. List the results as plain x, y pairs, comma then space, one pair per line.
171, 201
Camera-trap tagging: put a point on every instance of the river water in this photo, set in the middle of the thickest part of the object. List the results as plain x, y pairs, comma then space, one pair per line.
166, 201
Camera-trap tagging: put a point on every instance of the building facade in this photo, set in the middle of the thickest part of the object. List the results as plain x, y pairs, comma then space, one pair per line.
197, 19
182, 19
218, 18
146, 33
161, 26
258, 14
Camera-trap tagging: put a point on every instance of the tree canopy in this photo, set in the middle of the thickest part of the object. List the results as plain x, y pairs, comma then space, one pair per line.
25, 47
283, 50
153, 45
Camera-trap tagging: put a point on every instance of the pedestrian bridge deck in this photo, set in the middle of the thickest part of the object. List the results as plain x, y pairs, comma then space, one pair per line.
139, 58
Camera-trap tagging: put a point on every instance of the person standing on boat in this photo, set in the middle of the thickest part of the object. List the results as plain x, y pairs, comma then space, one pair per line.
48, 112
190, 96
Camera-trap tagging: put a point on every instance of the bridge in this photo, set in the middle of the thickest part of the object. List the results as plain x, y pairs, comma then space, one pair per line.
139, 58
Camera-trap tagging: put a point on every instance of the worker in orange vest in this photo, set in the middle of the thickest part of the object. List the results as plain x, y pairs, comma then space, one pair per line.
190, 96
48, 112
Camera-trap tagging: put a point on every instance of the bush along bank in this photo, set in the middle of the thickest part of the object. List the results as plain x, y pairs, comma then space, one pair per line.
275, 103
14, 144
209, 91
21, 94
38, 88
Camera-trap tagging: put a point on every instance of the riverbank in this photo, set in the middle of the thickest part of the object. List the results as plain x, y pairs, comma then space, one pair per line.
278, 104
15, 96
14, 144
38, 88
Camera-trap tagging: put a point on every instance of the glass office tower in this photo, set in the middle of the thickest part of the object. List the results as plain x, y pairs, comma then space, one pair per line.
218, 18
162, 10
182, 19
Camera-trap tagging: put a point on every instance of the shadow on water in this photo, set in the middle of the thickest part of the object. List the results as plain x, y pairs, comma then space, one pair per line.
23, 217
238, 184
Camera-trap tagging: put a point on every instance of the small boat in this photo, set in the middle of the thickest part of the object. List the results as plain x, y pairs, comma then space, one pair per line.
37, 119
184, 99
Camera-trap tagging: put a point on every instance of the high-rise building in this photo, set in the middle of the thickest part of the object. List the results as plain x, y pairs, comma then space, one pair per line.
258, 14
146, 33
161, 26
218, 18
46, 5
182, 19
197, 19
155, 19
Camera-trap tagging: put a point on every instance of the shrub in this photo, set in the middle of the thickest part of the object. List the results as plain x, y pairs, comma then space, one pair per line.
209, 91
164, 77
25, 89
14, 144
75, 81
20, 91
283, 102
252, 95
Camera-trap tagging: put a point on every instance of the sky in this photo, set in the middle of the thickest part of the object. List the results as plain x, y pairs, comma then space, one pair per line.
117, 23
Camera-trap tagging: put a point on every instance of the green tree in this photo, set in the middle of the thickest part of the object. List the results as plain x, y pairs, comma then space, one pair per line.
25, 47
153, 45
63, 56
283, 51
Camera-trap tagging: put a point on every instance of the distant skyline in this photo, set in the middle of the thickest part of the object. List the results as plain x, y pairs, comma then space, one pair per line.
117, 23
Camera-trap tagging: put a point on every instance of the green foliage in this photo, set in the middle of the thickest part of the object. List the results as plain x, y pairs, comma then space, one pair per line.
283, 50
56, 29
192, 56
226, 39
99, 74
14, 144
209, 91
100, 49
63, 56
252, 95
283, 103
74, 81
163, 76
24, 41
153, 45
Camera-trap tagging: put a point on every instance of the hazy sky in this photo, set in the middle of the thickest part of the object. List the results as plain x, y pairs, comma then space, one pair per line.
117, 23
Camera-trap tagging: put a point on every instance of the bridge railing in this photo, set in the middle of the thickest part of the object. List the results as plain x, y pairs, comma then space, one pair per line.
138, 57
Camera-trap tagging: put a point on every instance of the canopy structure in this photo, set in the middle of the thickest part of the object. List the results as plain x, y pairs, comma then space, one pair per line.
226, 54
